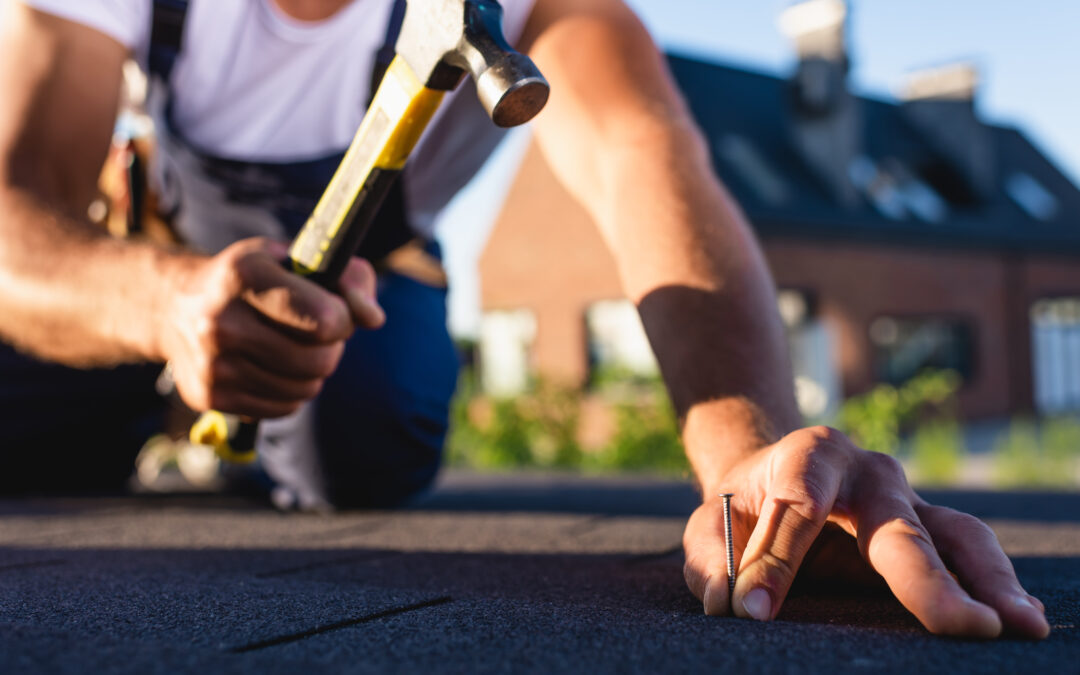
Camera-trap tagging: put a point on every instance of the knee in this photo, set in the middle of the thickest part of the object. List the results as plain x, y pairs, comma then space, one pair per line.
383, 455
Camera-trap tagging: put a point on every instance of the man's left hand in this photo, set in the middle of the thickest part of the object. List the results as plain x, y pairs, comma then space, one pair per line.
815, 488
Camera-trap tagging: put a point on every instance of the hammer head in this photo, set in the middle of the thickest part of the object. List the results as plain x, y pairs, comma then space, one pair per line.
441, 40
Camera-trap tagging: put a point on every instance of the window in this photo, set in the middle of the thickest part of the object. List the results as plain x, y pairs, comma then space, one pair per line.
1030, 195
895, 191
817, 379
752, 167
1055, 354
617, 340
505, 338
903, 347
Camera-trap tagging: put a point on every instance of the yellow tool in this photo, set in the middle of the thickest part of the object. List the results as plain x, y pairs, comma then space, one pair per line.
440, 41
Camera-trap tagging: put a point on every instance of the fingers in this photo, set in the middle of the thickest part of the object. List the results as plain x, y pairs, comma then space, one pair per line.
809, 467
357, 287
970, 548
893, 539
291, 303
242, 333
239, 374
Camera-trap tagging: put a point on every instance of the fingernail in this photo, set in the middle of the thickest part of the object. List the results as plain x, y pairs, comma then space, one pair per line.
705, 598
758, 604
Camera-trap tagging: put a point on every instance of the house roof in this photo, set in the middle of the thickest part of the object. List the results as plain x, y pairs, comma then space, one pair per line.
745, 116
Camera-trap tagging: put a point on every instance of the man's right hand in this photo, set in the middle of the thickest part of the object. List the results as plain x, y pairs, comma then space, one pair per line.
245, 336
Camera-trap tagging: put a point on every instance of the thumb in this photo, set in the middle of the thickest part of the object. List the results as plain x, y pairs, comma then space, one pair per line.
358, 287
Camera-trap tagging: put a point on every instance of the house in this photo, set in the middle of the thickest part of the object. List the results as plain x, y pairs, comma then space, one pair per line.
902, 234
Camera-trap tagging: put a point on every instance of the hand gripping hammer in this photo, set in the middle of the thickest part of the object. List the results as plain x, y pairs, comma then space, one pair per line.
440, 41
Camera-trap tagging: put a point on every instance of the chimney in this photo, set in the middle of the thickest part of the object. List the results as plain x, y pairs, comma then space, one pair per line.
826, 122
940, 103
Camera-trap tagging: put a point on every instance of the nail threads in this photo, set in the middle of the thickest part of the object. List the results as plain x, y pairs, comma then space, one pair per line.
730, 544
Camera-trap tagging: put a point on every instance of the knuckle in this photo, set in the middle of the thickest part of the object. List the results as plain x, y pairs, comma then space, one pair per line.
808, 500
817, 443
968, 526
886, 467
819, 435
331, 318
911, 527
784, 568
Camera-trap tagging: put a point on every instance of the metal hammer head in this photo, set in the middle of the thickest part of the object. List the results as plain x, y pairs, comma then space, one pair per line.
441, 40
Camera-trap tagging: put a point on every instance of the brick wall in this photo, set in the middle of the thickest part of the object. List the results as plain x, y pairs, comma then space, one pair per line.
546, 255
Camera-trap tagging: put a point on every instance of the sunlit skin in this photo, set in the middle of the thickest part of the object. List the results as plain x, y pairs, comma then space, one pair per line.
246, 337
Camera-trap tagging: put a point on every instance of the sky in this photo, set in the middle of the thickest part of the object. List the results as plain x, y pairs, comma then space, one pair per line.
1027, 53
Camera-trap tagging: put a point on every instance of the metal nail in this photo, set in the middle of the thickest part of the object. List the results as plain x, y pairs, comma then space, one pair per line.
730, 544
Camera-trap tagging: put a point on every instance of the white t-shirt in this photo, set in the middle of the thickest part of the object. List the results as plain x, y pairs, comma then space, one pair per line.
252, 83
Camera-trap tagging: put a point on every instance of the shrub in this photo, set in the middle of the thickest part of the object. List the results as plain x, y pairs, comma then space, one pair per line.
1017, 456
877, 419
1024, 457
646, 437
937, 451
540, 429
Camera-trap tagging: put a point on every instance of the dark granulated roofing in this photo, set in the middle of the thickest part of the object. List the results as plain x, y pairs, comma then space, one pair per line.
489, 573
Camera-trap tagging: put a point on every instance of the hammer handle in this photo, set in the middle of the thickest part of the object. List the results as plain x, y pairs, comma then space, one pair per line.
398, 114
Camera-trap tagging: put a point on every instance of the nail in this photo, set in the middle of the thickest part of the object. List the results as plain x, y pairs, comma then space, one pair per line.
729, 543
758, 604
1021, 601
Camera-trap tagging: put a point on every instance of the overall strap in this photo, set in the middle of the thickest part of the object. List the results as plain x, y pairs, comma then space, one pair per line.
166, 36
386, 52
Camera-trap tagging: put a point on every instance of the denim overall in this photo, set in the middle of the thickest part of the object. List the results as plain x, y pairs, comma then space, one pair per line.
373, 436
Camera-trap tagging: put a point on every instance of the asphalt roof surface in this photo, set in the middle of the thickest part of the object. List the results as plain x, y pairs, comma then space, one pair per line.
488, 573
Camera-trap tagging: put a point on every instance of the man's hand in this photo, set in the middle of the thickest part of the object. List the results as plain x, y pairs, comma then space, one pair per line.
811, 488
245, 336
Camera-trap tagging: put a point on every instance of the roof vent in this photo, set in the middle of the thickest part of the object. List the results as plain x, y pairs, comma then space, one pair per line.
940, 103
826, 124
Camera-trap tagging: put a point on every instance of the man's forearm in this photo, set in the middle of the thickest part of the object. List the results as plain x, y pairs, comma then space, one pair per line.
71, 293
689, 261
622, 141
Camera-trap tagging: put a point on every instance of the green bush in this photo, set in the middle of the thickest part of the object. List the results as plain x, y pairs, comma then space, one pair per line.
1017, 456
937, 452
556, 412
539, 429
646, 437
877, 419
1061, 444
1024, 457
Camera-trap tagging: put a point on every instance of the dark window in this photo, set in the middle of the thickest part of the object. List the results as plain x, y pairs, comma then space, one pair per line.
905, 346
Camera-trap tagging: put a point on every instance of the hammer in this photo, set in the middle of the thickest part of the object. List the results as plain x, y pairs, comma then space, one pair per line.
440, 41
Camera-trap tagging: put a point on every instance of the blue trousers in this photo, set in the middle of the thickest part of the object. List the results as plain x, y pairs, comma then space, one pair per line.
373, 436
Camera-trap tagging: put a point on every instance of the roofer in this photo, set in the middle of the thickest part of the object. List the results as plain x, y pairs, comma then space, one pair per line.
255, 103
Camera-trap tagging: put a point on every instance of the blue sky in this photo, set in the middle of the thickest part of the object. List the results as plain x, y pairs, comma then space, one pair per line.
1028, 54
